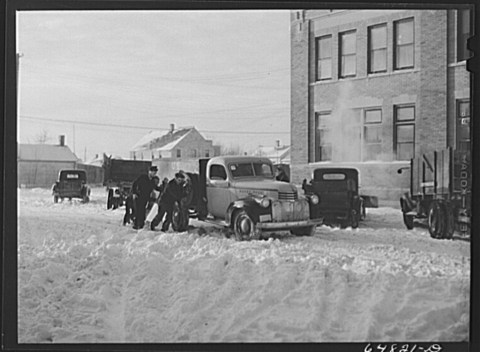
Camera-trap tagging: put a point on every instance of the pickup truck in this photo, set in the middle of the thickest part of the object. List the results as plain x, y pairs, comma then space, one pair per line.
71, 184
241, 194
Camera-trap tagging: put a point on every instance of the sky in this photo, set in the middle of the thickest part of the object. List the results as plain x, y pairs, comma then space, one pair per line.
104, 79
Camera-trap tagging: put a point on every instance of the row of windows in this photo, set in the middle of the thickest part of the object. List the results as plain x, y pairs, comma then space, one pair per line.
377, 50
365, 134
365, 137
377, 43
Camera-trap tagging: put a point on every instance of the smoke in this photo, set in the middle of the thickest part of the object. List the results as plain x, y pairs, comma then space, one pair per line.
344, 127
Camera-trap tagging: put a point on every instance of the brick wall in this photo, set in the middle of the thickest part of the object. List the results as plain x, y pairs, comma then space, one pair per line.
431, 85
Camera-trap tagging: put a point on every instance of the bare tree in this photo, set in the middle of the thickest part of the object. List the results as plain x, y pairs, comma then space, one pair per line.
232, 150
42, 137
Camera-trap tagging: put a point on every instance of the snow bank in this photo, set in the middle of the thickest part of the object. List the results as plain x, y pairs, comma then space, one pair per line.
83, 277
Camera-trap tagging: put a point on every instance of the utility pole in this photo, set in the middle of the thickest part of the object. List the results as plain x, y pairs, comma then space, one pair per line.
73, 138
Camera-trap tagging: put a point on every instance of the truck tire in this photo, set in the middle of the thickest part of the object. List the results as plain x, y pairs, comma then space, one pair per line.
354, 219
244, 227
436, 217
449, 221
55, 199
304, 231
408, 221
109, 198
180, 218
86, 199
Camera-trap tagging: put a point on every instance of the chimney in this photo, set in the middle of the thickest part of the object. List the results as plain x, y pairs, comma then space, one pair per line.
172, 127
61, 140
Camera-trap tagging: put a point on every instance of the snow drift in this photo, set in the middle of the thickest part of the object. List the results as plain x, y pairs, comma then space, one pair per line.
85, 278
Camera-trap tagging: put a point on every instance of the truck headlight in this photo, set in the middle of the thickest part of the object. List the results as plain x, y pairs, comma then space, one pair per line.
314, 199
263, 202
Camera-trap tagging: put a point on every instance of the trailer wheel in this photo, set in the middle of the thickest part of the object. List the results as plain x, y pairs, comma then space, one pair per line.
244, 227
436, 221
109, 198
449, 221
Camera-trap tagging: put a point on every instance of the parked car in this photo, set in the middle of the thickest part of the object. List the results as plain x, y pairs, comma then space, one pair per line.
339, 199
71, 184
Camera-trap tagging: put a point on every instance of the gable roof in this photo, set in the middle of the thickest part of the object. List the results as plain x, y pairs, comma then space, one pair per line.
45, 152
160, 140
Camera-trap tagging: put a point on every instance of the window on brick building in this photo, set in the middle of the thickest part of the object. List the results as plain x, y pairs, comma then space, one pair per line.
463, 125
463, 33
323, 144
179, 153
207, 153
324, 57
404, 44
372, 134
404, 136
377, 48
347, 54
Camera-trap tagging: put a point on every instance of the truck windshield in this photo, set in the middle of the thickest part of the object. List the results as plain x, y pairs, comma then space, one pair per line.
249, 169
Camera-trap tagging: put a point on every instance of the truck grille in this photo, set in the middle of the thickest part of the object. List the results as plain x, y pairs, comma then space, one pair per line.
287, 196
290, 211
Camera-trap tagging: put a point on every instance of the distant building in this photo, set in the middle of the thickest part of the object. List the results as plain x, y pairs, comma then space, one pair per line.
177, 144
373, 88
277, 154
38, 164
174, 150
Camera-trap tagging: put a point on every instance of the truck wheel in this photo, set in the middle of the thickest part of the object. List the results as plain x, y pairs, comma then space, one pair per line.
55, 199
304, 231
408, 221
354, 219
180, 218
449, 221
86, 199
244, 227
436, 220
109, 198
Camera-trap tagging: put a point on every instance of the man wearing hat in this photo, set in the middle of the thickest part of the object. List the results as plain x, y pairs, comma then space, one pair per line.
141, 189
173, 193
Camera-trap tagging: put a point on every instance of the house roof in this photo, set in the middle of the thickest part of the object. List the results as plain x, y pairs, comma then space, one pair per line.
161, 140
45, 152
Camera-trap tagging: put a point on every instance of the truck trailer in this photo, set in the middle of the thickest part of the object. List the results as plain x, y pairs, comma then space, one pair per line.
440, 193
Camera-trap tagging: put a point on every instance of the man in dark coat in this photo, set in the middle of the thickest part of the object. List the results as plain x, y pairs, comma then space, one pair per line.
141, 189
174, 192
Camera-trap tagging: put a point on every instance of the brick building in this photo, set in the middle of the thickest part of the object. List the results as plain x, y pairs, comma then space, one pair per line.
372, 88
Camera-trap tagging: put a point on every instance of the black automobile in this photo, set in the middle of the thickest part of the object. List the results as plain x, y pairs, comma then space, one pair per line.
339, 201
71, 184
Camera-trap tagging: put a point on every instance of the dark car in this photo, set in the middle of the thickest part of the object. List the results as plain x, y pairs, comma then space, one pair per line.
339, 201
71, 184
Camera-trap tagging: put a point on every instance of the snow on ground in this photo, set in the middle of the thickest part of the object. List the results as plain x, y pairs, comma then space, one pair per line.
85, 278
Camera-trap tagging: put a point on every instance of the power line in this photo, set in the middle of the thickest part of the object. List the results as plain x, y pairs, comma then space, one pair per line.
142, 128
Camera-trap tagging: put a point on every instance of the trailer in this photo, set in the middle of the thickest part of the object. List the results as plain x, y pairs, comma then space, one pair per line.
440, 193
118, 178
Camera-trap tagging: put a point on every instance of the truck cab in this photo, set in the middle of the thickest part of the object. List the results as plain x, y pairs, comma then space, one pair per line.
241, 193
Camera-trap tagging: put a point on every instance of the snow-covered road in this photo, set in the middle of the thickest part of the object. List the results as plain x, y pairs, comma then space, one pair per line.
83, 277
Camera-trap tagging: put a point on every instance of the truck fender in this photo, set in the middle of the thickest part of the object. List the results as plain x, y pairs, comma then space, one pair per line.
246, 204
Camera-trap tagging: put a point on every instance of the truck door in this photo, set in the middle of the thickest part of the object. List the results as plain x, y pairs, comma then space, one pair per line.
218, 193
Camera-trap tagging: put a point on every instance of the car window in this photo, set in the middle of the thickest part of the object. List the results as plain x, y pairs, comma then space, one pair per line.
241, 169
331, 177
217, 172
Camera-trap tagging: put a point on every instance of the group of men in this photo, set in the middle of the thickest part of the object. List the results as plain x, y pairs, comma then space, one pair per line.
149, 194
